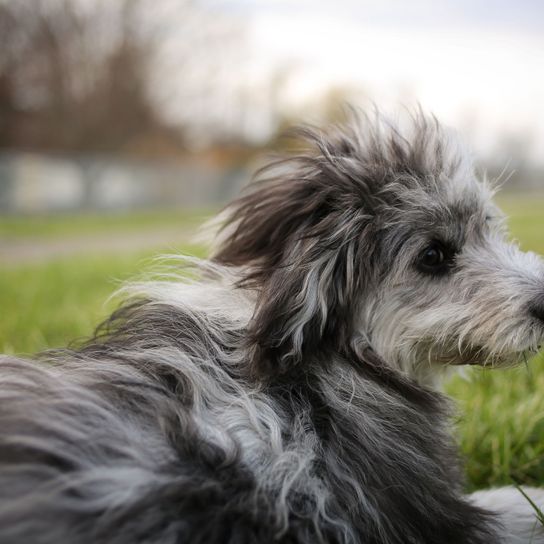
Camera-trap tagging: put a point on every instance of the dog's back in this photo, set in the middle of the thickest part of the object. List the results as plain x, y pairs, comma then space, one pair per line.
156, 431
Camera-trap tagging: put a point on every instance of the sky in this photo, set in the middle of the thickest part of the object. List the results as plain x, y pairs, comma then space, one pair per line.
478, 65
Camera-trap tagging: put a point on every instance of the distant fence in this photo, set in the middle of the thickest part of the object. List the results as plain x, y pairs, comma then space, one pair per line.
31, 183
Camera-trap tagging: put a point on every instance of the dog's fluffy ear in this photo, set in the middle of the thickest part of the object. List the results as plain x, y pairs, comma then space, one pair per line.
305, 307
297, 236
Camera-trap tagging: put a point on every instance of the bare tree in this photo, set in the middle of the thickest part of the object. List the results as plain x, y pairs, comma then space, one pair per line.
111, 75
74, 74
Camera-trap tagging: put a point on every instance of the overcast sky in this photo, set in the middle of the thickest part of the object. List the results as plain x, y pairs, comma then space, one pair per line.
477, 64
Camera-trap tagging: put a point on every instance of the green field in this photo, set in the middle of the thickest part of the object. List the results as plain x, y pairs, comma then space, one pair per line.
65, 225
501, 413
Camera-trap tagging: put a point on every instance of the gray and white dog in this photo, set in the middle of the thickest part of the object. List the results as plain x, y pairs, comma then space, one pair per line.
287, 391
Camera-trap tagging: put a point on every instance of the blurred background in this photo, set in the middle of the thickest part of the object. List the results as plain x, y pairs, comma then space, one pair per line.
125, 123
110, 105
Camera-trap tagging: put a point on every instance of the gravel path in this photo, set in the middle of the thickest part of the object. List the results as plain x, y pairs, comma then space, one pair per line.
33, 250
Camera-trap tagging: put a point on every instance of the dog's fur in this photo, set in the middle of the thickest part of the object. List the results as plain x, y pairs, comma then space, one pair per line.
287, 392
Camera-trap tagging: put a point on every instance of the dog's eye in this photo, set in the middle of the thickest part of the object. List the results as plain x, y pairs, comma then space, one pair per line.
433, 256
434, 259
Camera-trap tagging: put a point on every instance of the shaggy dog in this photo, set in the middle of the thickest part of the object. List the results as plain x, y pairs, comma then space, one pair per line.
287, 390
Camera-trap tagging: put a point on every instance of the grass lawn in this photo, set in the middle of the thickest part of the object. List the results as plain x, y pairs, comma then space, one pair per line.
66, 225
63, 300
501, 416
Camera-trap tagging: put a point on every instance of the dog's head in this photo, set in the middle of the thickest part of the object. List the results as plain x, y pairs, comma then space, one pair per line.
379, 236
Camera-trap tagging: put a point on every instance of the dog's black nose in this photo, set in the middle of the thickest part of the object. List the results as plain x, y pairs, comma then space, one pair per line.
536, 309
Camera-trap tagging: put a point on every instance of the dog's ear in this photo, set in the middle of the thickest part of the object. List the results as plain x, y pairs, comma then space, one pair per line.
305, 307
297, 237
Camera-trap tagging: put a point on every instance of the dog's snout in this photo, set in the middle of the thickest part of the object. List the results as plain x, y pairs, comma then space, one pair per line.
536, 309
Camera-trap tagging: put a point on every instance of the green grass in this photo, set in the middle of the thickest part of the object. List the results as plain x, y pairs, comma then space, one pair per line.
501, 424
501, 413
526, 219
64, 225
63, 300
53, 303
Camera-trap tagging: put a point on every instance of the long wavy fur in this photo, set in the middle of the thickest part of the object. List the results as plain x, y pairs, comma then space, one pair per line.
248, 404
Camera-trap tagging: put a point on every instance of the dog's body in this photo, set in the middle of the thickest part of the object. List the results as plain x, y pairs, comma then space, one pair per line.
287, 394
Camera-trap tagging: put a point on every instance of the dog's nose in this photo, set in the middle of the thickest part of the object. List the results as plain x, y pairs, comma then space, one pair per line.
536, 309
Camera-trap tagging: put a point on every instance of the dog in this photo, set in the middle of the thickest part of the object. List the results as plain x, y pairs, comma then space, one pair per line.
287, 389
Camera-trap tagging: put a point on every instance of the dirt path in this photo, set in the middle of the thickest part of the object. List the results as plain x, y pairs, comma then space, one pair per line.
34, 250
